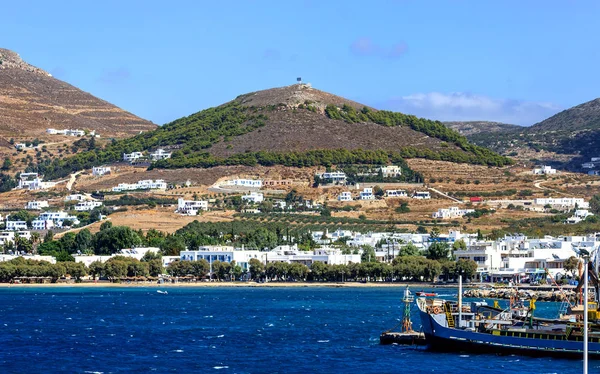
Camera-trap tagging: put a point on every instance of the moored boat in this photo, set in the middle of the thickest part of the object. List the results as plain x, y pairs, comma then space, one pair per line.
426, 294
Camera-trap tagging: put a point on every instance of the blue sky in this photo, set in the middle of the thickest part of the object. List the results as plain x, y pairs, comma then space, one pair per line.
511, 61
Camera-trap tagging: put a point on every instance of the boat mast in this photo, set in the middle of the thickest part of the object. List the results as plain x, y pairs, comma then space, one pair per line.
460, 292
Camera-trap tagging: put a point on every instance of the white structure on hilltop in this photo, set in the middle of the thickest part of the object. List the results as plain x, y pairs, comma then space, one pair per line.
391, 171
132, 157
252, 183
345, 196
452, 212
367, 194
191, 207
333, 176
254, 197
37, 205
85, 206
48, 220
160, 154
545, 170
99, 171
20, 146
421, 195
562, 202
147, 184
579, 215
32, 181
395, 193
16, 225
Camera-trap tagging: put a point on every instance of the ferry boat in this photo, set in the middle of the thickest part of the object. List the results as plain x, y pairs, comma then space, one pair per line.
475, 327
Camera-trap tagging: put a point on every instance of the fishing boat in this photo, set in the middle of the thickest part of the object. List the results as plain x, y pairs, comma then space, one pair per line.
476, 327
426, 294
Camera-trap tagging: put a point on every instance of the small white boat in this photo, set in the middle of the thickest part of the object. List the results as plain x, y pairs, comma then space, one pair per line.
162, 292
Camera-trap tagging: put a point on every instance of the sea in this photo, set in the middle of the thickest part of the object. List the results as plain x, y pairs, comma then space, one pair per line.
228, 330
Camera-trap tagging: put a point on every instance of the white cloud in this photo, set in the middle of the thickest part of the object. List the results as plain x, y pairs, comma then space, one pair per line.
460, 106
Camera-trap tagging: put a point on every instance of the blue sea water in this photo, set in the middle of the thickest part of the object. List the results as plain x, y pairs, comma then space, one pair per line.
226, 330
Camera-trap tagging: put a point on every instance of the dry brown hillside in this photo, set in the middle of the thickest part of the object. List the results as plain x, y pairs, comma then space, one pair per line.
31, 101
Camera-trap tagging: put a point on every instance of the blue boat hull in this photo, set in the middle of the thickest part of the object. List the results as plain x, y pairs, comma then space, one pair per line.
441, 338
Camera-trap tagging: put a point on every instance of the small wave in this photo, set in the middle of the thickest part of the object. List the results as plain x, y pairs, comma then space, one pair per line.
322, 341
94, 372
178, 350
220, 367
464, 356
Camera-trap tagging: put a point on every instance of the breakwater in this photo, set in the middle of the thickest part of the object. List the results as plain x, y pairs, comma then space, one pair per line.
507, 293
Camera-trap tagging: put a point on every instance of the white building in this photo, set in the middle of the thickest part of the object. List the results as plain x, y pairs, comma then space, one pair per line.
85, 206
254, 197
562, 202
148, 184
20, 146
75, 132
421, 195
99, 171
588, 165
452, 212
191, 207
395, 193
367, 194
160, 154
391, 171
32, 181
578, 216
49, 259
9, 236
326, 255
57, 219
37, 205
334, 176
546, 170
76, 197
133, 156
224, 254
345, 196
16, 225
252, 183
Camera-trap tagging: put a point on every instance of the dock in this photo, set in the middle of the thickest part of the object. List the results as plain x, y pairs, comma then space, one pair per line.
403, 338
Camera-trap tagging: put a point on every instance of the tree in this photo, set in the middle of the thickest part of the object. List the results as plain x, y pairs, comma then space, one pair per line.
113, 239
421, 230
409, 250
459, 245
571, 264
67, 242
368, 254
437, 251
378, 191
257, 268
155, 267
96, 269
173, 245
7, 164
75, 270
403, 208
49, 236
466, 268
106, 225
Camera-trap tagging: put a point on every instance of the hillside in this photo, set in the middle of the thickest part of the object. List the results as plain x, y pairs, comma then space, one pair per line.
470, 128
31, 101
293, 126
569, 137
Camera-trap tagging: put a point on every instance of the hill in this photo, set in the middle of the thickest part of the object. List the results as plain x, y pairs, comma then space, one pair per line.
31, 101
470, 128
293, 126
571, 136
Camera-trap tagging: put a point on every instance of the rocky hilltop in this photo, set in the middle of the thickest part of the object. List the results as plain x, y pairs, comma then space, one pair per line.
31, 100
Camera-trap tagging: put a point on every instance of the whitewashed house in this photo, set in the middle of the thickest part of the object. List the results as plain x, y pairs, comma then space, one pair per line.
132, 157
147, 184
42, 224
395, 193
452, 212
421, 195
76, 197
545, 170
562, 202
334, 176
16, 225
20, 146
254, 197
32, 181
391, 171
57, 218
85, 206
579, 215
191, 207
99, 171
367, 194
345, 196
37, 205
252, 183
160, 154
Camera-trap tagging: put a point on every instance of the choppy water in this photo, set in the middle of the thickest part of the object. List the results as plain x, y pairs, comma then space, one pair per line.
226, 330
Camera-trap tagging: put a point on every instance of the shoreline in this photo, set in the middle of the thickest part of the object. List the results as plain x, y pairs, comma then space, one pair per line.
414, 286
